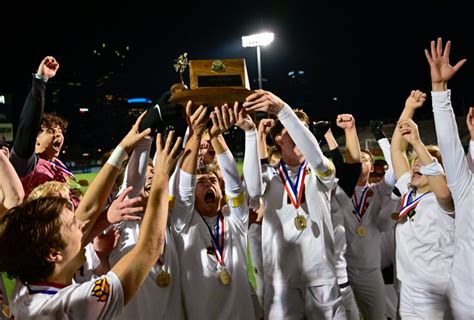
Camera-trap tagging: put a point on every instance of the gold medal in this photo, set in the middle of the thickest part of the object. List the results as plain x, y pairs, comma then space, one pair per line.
225, 277
395, 216
300, 222
163, 279
361, 231
6, 311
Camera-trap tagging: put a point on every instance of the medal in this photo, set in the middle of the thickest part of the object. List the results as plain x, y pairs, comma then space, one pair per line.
300, 222
163, 279
225, 277
395, 216
295, 191
359, 204
6, 311
361, 232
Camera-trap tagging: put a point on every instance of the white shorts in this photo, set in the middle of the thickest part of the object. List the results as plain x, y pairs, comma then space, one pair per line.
321, 302
418, 303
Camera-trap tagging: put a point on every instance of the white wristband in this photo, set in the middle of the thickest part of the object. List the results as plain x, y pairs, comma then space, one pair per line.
433, 169
117, 157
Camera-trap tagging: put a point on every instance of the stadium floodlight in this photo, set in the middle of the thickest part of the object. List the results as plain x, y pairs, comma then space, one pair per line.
258, 40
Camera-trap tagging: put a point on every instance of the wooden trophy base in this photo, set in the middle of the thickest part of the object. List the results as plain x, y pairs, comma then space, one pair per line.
211, 96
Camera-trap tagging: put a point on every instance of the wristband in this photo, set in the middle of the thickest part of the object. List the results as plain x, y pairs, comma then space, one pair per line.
433, 169
38, 76
117, 157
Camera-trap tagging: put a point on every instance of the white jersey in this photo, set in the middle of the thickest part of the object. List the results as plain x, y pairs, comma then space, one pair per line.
151, 300
101, 298
425, 243
291, 257
205, 296
461, 183
364, 251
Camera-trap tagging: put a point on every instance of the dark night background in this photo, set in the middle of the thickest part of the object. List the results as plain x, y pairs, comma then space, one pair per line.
369, 56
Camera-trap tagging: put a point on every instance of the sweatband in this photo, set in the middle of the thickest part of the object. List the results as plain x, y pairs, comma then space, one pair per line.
433, 169
117, 157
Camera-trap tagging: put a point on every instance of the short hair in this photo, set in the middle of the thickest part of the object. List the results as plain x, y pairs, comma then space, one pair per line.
207, 169
435, 152
49, 121
49, 188
367, 151
28, 232
273, 151
278, 127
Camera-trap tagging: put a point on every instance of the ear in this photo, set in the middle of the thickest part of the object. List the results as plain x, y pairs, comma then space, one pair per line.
54, 256
372, 168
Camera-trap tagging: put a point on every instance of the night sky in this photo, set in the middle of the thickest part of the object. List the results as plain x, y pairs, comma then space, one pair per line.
368, 55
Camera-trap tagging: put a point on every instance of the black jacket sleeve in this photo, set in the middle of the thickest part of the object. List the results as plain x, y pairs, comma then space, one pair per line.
347, 173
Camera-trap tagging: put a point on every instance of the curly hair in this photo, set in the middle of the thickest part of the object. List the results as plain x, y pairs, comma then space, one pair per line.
27, 234
49, 121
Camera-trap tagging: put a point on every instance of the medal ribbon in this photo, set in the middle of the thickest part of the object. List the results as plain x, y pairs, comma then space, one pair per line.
58, 166
45, 287
359, 206
294, 191
407, 205
218, 248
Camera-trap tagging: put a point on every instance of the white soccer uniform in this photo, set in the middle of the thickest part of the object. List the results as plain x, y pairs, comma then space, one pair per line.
150, 300
205, 297
425, 247
470, 156
101, 298
461, 183
299, 266
363, 252
339, 201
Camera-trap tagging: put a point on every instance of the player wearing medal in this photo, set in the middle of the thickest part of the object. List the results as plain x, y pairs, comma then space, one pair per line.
297, 233
425, 232
363, 234
211, 242
460, 180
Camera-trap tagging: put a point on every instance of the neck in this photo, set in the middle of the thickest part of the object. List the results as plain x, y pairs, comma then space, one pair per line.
61, 276
363, 180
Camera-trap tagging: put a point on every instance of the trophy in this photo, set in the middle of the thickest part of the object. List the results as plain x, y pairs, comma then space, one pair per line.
212, 82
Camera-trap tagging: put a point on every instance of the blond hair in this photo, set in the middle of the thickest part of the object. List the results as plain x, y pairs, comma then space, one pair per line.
50, 188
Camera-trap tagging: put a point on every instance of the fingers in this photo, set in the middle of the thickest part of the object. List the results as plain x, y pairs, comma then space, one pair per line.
439, 47
428, 56
433, 50
159, 142
169, 141
177, 149
189, 108
459, 64
139, 119
124, 193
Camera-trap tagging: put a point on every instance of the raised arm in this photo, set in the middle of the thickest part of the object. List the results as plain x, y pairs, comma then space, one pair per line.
436, 178
470, 127
135, 266
92, 204
268, 102
252, 167
263, 129
347, 123
455, 163
11, 190
23, 151
398, 146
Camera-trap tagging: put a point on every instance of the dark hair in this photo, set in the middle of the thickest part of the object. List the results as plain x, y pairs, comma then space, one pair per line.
27, 234
49, 121
207, 169
371, 156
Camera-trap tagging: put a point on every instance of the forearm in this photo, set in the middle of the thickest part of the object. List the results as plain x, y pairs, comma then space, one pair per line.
389, 176
398, 154
331, 141
228, 167
447, 133
10, 185
190, 156
29, 124
305, 140
135, 171
252, 167
352, 145
219, 144
262, 145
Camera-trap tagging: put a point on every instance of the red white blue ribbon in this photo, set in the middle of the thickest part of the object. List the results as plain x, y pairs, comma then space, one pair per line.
60, 167
294, 191
359, 205
407, 204
218, 245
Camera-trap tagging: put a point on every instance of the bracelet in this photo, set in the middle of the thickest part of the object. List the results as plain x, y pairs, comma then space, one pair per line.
38, 76
117, 157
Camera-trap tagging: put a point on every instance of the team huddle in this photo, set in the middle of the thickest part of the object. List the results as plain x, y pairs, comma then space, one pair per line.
167, 235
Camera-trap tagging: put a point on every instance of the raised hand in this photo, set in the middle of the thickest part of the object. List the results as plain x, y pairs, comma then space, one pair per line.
345, 121
438, 59
48, 67
196, 120
409, 130
470, 122
104, 243
134, 135
415, 99
123, 209
222, 119
244, 120
167, 155
263, 101
265, 126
